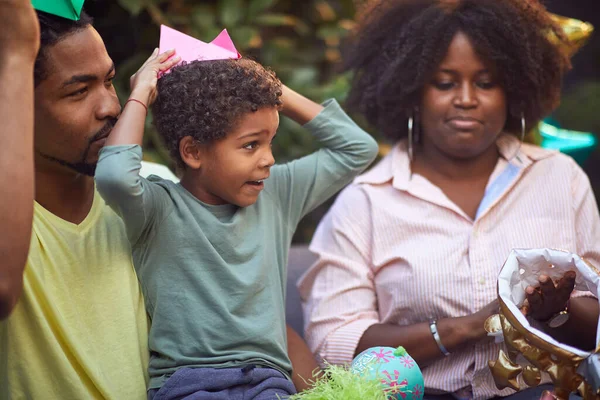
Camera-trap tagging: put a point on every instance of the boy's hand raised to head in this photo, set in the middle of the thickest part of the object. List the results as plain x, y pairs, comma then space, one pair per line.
143, 82
20, 33
298, 107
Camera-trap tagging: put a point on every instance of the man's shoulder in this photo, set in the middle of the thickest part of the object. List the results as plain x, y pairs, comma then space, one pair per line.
102, 228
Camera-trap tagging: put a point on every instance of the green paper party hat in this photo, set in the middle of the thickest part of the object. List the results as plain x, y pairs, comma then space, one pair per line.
70, 9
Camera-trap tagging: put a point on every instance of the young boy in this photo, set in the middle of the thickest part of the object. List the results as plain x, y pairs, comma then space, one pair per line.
211, 251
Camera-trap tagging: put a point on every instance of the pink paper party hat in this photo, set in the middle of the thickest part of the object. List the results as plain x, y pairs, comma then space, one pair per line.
192, 49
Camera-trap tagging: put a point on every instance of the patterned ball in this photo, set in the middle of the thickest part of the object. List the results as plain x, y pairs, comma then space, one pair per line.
398, 372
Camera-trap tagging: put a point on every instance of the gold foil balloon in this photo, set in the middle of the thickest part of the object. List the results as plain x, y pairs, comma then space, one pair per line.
532, 376
578, 32
505, 372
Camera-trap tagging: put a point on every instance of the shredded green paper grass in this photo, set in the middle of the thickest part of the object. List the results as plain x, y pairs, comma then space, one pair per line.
338, 383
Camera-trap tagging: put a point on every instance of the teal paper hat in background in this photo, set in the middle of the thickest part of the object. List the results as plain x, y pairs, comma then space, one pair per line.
70, 9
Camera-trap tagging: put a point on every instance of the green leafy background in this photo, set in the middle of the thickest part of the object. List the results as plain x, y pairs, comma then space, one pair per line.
299, 40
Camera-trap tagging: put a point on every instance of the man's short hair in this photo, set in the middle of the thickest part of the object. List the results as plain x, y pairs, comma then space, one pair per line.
53, 29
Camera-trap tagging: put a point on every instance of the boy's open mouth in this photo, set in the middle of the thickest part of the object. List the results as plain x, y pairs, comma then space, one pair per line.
255, 183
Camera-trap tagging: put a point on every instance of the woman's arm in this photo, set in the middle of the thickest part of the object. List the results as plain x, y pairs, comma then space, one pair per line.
455, 334
580, 330
548, 299
340, 296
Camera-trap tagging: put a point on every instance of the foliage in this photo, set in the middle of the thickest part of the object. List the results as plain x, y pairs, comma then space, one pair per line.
579, 107
579, 111
299, 40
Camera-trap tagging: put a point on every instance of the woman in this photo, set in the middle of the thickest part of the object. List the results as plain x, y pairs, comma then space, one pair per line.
410, 252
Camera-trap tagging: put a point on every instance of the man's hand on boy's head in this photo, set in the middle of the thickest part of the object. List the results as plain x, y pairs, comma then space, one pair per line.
20, 33
143, 82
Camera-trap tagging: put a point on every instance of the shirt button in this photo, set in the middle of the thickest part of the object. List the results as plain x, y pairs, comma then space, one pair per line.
481, 281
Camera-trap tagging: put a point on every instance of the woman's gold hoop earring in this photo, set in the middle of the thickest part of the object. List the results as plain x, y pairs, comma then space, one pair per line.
523, 132
410, 138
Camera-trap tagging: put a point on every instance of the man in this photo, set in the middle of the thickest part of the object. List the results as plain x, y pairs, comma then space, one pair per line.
79, 328
19, 43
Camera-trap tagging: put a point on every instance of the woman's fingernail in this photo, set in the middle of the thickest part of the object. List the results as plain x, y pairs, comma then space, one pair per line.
546, 395
529, 290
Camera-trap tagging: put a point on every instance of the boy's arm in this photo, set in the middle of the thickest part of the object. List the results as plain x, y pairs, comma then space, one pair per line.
346, 151
117, 174
19, 44
305, 369
298, 107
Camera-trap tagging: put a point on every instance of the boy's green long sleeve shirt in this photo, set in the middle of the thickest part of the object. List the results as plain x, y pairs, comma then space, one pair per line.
214, 277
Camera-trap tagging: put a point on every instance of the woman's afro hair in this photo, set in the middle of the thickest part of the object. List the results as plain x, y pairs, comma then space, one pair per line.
398, 44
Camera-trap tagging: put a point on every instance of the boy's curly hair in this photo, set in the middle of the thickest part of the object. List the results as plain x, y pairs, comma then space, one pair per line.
398, 45
205, 99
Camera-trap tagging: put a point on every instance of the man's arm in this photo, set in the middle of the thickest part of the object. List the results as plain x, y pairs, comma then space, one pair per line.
19, 44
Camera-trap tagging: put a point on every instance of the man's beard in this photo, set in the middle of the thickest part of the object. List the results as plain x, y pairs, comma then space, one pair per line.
83, 167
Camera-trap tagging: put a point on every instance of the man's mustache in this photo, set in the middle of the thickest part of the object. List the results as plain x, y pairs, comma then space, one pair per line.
102, 133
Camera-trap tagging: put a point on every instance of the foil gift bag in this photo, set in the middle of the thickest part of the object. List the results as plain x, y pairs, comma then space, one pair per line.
529, 350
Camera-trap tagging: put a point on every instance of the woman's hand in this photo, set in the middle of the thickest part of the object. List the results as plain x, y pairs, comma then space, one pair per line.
477, 319
143, 82
548, 299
